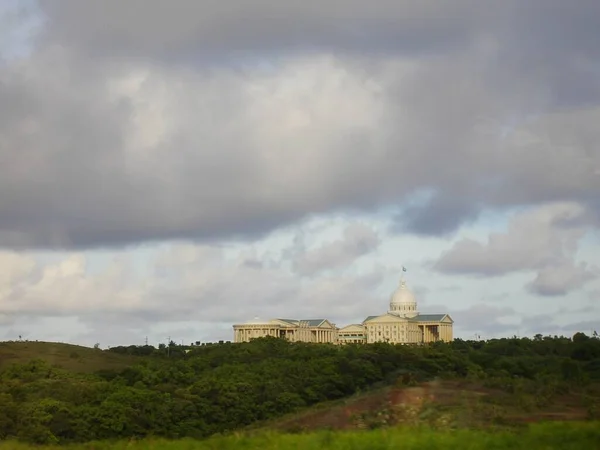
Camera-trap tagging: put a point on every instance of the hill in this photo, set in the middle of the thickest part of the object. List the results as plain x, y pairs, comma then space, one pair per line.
70, 357
135, 392
452, 403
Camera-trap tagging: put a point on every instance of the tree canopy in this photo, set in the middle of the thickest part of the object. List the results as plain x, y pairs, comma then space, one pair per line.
200, 391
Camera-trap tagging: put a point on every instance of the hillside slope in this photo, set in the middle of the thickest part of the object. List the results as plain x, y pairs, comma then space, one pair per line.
220, 388
438, 403
67, 356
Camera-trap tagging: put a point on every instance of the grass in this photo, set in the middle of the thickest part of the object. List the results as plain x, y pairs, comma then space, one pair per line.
555, 436
455, 403
70, 357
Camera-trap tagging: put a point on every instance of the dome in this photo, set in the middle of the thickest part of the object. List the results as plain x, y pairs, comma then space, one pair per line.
403, 301
402, 295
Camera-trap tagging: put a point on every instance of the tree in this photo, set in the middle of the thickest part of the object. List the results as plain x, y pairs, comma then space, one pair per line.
580, 337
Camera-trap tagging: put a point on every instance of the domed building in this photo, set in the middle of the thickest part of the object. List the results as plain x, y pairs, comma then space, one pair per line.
402, 324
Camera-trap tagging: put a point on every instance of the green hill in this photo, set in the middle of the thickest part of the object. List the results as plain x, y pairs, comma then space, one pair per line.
70, 357
76, 394
445, 402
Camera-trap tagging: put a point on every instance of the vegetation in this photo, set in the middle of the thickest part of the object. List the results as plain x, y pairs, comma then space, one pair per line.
539, 436
74, 358
216, 389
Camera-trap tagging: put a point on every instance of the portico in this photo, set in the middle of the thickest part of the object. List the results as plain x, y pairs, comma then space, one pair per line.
319, 331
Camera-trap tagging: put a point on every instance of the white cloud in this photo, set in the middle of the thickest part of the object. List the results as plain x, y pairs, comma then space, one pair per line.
543, 239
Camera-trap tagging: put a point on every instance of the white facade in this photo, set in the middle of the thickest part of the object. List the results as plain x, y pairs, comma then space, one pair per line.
312, 330
402, 324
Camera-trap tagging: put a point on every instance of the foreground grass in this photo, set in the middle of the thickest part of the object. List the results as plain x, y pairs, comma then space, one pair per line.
550, 435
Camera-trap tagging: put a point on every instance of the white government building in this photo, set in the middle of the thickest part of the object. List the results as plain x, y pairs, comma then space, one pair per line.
402, 324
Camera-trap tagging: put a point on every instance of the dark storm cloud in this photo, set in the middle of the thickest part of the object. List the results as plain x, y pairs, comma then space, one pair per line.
108, 136
185, 29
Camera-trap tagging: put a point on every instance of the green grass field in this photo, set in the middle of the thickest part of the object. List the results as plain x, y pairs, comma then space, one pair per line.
555, 436
74, 358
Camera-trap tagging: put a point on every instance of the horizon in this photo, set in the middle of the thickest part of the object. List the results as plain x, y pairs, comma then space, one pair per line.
592, 334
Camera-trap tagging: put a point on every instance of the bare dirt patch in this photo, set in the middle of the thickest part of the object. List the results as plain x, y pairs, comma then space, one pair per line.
443, 403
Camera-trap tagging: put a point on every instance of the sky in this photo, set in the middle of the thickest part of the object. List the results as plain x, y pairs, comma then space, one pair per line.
169, 169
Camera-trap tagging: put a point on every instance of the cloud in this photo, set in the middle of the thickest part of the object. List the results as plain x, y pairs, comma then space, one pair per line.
543, 239
119, 128
357, 240
587, 327
483, 318
186, 28
183, 282
560, 280
442, 214
539, 323
209, 125
65, 288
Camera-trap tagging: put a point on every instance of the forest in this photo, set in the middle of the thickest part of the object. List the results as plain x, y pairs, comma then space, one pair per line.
194, 392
